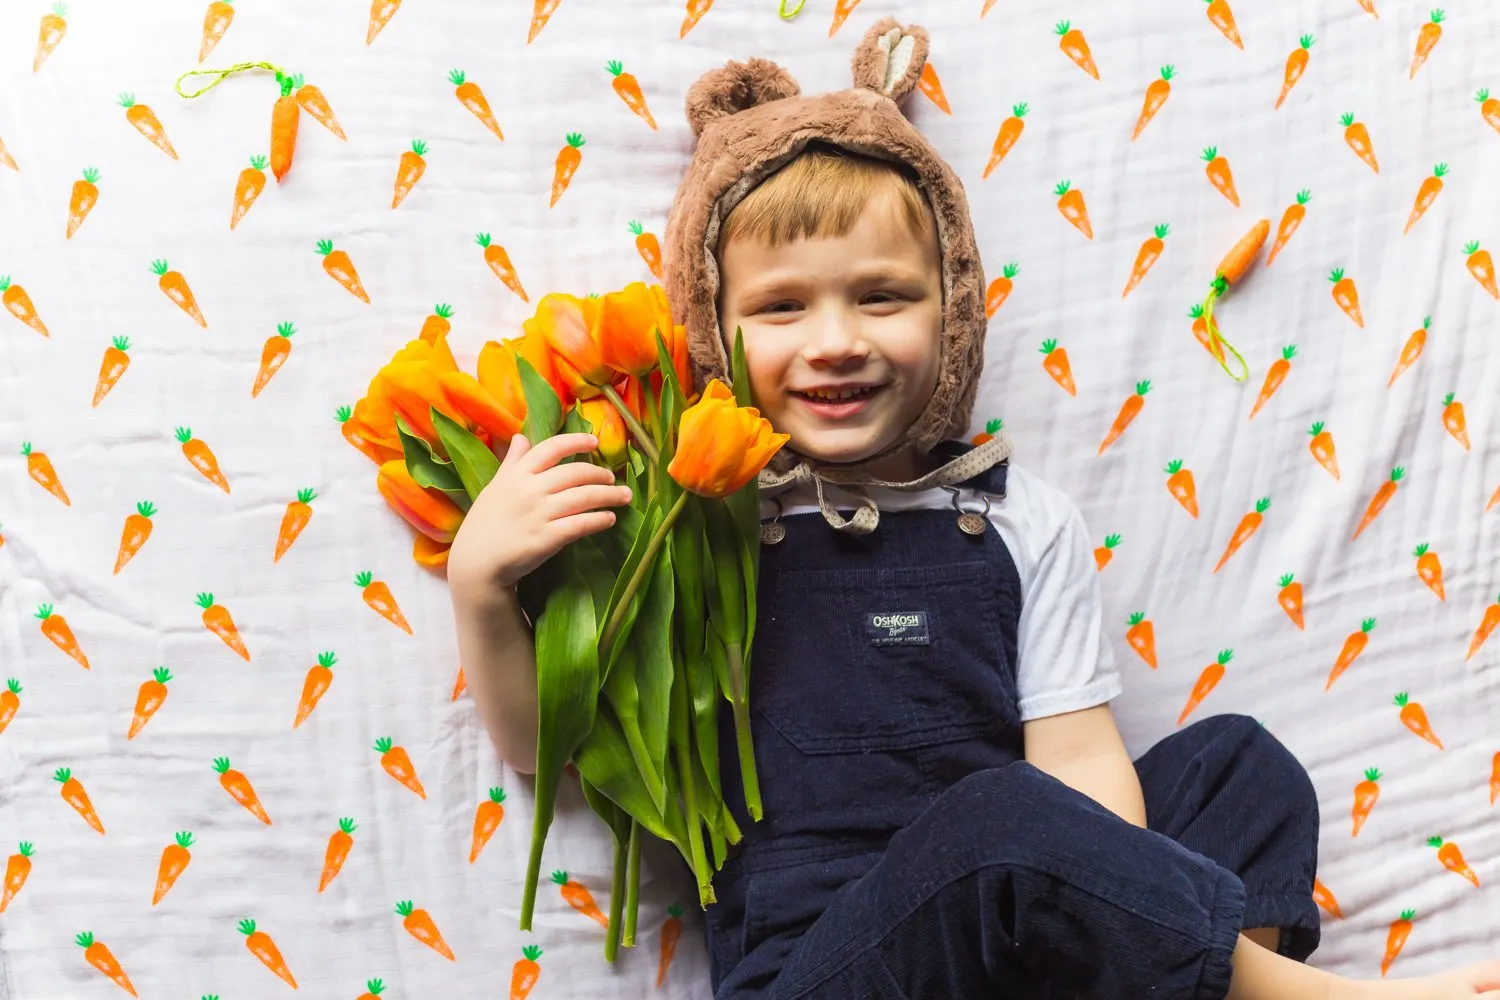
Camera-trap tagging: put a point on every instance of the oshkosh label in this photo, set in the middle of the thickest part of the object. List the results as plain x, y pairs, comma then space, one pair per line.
897, 628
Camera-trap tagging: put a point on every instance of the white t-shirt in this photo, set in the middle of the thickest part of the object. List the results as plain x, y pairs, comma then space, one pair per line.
1065, 663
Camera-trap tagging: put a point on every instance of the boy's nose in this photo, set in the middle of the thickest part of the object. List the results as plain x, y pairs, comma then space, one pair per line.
836, 336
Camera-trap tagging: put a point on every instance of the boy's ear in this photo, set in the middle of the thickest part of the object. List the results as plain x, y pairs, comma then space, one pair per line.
890, 58
734, 87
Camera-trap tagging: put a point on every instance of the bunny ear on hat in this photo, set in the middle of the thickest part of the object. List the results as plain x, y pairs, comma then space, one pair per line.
890, 58
736, 87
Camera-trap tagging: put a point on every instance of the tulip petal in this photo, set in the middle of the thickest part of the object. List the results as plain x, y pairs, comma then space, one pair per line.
466, 395
429, 511
428, 553
720, 445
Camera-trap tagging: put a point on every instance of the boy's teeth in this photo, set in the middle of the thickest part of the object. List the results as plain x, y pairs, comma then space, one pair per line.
836, 394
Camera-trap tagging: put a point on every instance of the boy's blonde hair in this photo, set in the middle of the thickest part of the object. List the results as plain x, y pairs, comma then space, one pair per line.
822, 193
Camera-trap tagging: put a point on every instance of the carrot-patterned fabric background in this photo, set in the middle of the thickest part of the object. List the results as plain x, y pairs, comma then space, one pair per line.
180, 332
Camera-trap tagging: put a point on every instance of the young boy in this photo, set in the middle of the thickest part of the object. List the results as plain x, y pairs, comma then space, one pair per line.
949, 809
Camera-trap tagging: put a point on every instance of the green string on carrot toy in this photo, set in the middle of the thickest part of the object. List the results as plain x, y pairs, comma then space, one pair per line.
1234, 265
789, 14
284, 114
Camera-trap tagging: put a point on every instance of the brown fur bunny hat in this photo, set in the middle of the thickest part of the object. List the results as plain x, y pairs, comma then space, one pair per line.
750, 119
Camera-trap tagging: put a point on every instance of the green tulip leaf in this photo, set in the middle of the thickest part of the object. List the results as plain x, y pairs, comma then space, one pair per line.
427, 469
471, 458
543, 409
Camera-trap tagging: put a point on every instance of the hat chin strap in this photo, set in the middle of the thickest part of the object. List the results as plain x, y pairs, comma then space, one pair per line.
971, 463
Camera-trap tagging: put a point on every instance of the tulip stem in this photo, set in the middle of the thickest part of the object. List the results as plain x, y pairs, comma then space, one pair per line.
744, 743
616, 904
632, 884
642, 439
648, 559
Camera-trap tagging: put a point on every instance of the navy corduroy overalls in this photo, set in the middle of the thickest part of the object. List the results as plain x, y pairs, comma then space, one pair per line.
908, 851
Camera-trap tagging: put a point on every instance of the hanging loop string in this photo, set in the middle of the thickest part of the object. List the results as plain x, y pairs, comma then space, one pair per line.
1216, 342
220, 75
789, 14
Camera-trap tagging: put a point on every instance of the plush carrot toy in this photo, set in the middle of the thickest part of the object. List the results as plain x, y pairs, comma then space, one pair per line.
340, 843
85, 197
1000, 289
285, 115
1157, 92
1230, 270
175, 858
1006, 138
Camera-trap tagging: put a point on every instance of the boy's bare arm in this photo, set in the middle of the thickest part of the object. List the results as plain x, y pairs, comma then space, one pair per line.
499, 658
1084, 751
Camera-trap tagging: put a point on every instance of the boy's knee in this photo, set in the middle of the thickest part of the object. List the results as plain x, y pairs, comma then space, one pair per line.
1252, 750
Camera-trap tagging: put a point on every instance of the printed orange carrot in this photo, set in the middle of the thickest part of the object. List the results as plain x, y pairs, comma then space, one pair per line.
175, 858
10, 702
1200, 332
1128, 411
986, 9
298, 513
1248, 526
931, 87
55, 627
499, 262
1453, 859
1076, 47
217, 620
137, 531
340, 843
1221, 17
1366, 794
1157, 92
1487, 625
1145, 257
85, 197
17, 870
1494, 500
1142, 637
1414, 717
1380, 499
460, 684
1358, 138
97, 954
1426, 195
1494, 784
251, 183
273, 355
1220, 176
381, 12
398, 765
1290, 599
73, 794
1430, 569
629, 90
525, 973
1395, 938
1275, 375
1482, 267
201, 457
1322, 449
695, 11
1489, 107
1346, 296
999, 290
486, 821
540, 12
262, 947
409, 171
175, 287
1353, 646
116, 360
1427, 39
353, 428
841, 11
1055, 363
285, 120
319, 679
418, 924
1070, 204
18, 304
671, 933
378, 596
1009, 133
576, 895
311, 99
1207, 681
373, 989
471, 97
649, 247
991, 428
1296, 65
216, 21
54, 28
341, 269
239, 788
151, 696
1104, 553
1453, 420
1325, 899
568, 160
39, 467
147, 124
1411, 351
437, 323
1291, 220
1180, 485
6, 159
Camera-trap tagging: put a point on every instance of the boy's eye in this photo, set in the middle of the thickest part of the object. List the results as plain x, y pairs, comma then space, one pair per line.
883, 297
783, 306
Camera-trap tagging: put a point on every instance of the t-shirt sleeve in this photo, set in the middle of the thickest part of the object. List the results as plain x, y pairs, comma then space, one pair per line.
1066, 664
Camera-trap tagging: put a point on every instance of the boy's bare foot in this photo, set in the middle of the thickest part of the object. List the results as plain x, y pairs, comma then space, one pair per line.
1468, 983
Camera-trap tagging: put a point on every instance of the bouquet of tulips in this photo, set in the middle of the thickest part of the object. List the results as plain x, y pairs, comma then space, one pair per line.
643, 628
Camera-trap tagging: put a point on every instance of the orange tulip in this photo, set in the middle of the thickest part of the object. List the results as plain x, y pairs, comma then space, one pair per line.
408, 385
609, 427
569, 325
628, 323
533, 347
427, 510
633, 392
478, 405
426, 552
501, 378
383, 444
679, 349
721, 446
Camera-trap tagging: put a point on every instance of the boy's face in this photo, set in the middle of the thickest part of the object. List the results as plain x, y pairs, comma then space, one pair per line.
862, 310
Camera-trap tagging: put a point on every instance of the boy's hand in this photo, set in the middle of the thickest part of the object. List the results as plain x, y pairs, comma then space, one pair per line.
531, 510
